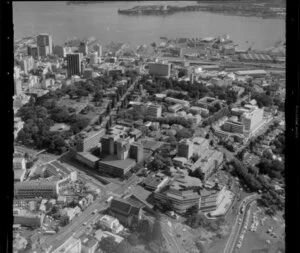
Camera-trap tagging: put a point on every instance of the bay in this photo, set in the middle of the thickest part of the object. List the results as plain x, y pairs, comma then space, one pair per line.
102, 21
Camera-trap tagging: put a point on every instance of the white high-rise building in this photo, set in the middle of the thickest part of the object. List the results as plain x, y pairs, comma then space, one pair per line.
17, 87
94, 58
252, 118
98, 48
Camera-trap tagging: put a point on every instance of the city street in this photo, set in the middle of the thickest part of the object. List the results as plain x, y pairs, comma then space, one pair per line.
73, 228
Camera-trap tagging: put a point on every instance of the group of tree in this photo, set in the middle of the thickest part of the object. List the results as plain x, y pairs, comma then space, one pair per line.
255, 178
262, 99
247, 174
38, 120
216, 116
160, 163
195, 90
272, 201
272, 168
184, 133
199, 220
279, 144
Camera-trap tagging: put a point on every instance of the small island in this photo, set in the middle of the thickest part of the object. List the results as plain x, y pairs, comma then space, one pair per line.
242, 9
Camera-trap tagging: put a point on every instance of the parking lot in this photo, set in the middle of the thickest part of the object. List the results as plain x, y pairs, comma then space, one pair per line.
269, 234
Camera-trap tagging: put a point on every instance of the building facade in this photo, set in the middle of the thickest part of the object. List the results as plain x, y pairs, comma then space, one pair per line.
28, 190
89, 140
74, 64
44, 44
185, 149
160, 69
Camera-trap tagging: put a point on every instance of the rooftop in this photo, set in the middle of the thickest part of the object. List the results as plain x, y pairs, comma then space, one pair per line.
88, 241
123, 207
89, 156
121, 164
249, 72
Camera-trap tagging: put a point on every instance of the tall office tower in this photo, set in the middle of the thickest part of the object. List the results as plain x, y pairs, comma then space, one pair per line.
74, 64
44, 43
93, 58
98, 48
185, 148
60, 51
83, 48
17, 87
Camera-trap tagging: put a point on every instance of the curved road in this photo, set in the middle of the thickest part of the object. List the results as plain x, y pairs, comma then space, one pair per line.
237, 227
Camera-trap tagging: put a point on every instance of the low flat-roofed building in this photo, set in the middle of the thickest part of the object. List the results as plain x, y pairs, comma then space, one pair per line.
70, 212
59, 127
116, 167
185, 148
155, 182
252, 73
71, 245
196, 109
99, 234
160, 96
185, 181
180, 200
111, 223
160, 69
31, 189
179, 161
210, 200
88, 244
28, 219
125, 212
175, 108
89, 140
19, 163
207, 102
178, 101
209, 160
200, 145
19, 175
135, 133
87, 159
233, 127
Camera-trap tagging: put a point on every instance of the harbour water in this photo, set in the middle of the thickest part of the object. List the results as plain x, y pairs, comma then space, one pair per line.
103, 21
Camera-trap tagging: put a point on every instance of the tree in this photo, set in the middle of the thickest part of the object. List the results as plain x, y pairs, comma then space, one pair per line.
182, 72
192, 210
133, 239
108, 244
64, 220
200, 246
195, 157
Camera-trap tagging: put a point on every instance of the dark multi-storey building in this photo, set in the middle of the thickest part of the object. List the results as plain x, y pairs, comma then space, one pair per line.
44, 44
74, 64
